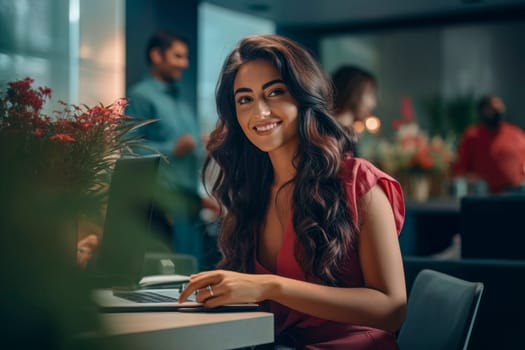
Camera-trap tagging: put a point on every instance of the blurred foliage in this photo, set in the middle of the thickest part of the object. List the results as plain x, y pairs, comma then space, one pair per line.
449, 118
52, 170
461, 112
44, 297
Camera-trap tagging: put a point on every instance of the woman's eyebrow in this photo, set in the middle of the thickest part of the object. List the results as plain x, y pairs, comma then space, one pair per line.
242, 90
271, 82
264, 86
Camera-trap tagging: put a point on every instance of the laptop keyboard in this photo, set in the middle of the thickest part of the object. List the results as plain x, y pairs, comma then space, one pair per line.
146, 297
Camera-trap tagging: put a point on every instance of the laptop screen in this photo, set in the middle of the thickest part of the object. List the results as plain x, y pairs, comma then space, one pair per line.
126, 232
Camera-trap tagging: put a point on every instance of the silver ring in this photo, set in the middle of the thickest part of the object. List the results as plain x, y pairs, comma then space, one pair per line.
210, 290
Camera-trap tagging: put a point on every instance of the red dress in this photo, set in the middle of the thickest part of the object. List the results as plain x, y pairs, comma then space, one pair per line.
302, 331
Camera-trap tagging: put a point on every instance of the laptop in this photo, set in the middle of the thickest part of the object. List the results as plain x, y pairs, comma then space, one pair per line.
127, 235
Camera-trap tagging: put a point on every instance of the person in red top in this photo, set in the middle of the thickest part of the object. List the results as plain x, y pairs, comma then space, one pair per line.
493, 150
308, 230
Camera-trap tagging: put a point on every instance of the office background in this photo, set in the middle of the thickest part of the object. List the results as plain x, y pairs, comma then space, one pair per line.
90, 51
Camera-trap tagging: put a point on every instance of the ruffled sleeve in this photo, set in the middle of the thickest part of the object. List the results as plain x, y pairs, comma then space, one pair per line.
359, 176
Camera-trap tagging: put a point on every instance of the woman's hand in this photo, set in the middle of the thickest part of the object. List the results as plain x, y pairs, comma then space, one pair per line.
220, 287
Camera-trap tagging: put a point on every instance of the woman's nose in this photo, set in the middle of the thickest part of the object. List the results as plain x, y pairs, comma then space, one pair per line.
263, 110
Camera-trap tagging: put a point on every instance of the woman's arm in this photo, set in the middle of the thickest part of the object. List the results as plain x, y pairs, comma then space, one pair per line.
381, 303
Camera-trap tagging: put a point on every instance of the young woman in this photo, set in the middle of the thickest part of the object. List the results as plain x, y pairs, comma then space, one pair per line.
306, 227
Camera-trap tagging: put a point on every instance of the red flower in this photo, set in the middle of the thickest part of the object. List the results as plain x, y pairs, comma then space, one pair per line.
396, 124
85, 125
45, 91
63, 137
412, 150
407, 110
118, 106
76, 147
23, 97
423, 159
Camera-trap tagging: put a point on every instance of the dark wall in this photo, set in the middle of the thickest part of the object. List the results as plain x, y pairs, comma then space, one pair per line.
143, 17
308, 38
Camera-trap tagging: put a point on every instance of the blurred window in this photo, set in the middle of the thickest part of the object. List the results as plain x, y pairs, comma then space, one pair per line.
219, 31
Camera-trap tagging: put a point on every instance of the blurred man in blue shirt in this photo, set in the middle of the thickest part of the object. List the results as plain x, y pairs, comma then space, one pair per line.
176, 134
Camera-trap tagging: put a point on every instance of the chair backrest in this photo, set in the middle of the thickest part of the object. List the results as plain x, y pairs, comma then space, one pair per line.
499, 321
492, 227
441, 312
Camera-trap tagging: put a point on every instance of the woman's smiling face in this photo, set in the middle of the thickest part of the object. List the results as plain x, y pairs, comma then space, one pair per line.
266, 111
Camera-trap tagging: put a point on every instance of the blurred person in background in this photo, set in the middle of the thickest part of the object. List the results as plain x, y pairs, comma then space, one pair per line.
493, 150
355, 97
176, 134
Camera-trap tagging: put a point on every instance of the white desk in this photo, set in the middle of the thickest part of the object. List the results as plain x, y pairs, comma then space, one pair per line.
188, 330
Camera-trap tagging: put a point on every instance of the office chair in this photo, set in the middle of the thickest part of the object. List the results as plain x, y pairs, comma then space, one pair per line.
502, 296
441, 312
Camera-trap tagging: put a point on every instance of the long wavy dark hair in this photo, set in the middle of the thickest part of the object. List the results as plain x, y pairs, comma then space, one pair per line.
326, 231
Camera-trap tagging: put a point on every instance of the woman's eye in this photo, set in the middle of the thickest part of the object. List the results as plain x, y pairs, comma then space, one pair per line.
243, 99
276, 92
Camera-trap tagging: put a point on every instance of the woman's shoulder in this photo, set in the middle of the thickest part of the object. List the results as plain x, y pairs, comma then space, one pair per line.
350, 161
362, 173
360, 176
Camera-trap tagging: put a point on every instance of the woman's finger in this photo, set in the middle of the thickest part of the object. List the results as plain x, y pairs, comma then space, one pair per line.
199, 285
208, 292
216, 301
